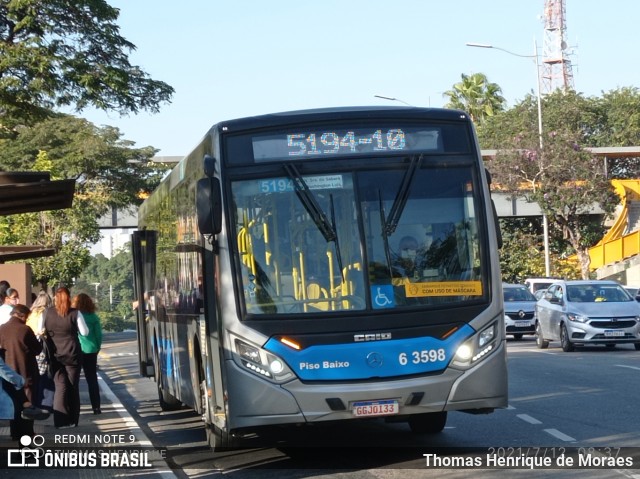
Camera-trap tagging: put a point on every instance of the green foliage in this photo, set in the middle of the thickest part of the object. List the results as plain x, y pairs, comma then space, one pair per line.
619, 120
59, 53
555, 170
109, 173
476, 95
110, 283
522, 253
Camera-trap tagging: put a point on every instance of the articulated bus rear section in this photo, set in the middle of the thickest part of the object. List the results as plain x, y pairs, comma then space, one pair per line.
326, 265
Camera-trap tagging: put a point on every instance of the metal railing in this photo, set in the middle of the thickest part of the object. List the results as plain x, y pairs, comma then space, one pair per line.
615, 246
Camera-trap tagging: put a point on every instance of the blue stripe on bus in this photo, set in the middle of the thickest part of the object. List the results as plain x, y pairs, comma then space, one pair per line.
371, 359
166, 347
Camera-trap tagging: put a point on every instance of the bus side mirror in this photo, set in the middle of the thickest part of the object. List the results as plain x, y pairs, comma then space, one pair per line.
497, 223
209, 206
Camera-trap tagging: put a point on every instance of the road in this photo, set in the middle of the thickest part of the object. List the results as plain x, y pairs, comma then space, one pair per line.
585, 399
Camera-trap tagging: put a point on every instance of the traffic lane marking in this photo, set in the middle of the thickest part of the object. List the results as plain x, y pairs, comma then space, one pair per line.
131, 423
554, 432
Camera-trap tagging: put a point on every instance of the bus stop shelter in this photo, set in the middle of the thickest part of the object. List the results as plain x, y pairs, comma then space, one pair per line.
28, 192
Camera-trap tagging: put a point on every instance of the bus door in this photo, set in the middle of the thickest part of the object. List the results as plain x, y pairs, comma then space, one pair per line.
143, 245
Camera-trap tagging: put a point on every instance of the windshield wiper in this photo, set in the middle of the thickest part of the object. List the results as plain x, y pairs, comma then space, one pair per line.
310, 204
335, 241
391, 223
328, 230
385, 237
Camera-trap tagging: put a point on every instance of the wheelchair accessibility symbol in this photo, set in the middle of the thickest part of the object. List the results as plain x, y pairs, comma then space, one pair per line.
382, 296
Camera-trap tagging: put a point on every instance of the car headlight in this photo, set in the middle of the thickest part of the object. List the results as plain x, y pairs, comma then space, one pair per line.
476, 347
578, 318
260, 362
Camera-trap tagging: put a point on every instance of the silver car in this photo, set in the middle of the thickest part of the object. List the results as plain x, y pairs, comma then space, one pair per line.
519, 310
587, 312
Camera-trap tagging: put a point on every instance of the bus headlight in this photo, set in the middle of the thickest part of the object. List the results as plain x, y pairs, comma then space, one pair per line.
464, 352
276, 366
487, 335
248, 352
476, 347
260, 362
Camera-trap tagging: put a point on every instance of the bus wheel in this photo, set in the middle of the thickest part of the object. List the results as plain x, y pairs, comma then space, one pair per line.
429, 423
166, 400
219, 440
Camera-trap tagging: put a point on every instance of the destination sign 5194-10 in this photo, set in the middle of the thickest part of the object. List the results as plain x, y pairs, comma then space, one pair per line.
336, 142
331, 142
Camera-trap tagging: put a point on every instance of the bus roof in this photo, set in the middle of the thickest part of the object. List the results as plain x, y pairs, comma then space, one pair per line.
337, 113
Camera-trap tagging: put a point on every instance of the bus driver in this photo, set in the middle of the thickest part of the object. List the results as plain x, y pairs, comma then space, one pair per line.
407, 260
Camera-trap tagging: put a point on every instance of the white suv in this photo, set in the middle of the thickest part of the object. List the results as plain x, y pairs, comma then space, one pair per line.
519, 310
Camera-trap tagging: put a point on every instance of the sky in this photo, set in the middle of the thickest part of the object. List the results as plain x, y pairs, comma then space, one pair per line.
236, 58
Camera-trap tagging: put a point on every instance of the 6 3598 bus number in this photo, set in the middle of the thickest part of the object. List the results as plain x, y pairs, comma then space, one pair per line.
422, 357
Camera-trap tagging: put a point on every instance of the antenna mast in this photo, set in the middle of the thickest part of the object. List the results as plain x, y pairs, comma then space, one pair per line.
556, 66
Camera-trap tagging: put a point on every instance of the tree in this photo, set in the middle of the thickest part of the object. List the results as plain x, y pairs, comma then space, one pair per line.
58, 53
522, 256
561, 176
112, 280
619, 120
477, 96
109, 173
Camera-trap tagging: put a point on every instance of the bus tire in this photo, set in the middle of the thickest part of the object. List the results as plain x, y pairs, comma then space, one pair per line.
167, 401
219, 440
428, 423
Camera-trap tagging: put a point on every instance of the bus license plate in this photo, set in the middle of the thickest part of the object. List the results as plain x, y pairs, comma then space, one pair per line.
375, 408
610, 333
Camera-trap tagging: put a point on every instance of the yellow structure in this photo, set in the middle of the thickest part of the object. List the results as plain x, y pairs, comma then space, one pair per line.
616, 246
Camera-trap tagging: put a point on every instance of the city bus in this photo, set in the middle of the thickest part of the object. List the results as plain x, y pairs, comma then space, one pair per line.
273, 287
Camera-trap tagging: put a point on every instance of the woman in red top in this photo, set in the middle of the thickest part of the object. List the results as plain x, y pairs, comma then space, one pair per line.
63, 323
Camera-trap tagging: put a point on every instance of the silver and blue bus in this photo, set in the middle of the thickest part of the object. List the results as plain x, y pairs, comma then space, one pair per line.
324, 265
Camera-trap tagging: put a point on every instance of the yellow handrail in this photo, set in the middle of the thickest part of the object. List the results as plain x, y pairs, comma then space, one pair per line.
615, 246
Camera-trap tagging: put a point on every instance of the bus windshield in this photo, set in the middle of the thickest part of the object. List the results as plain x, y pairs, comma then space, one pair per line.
361, 248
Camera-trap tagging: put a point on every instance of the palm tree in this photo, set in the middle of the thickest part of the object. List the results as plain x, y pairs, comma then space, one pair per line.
477, 96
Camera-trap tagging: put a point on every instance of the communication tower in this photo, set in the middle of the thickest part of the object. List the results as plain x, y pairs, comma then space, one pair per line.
556, 66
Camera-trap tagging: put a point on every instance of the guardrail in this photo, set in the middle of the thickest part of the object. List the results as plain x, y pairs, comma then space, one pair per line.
614, 246
615, 251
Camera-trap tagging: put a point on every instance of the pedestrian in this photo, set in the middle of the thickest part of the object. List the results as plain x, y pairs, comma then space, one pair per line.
90, 344
44, 395
10, 379
12, 384
10, 299
21, 347
4, 286
63, 323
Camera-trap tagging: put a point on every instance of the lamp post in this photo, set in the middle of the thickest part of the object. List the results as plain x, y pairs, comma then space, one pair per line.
545, 222
96, 286
392, 99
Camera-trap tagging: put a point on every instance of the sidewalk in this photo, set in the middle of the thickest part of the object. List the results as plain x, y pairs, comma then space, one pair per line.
114, 429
